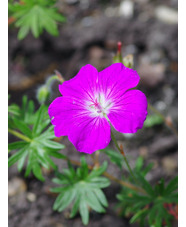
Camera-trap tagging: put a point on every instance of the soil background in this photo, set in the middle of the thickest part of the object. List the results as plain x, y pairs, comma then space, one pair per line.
148, 30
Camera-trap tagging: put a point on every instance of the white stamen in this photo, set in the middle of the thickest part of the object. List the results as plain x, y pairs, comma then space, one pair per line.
100, 106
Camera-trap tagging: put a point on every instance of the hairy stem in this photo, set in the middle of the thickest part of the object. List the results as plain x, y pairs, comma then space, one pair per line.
52, 78
19, 135
125, 159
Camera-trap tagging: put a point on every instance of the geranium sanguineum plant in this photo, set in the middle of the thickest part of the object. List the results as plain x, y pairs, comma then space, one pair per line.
91, 104
93, 100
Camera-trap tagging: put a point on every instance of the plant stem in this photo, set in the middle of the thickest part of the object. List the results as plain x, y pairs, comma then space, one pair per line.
19, 135
125, 159
49, 81
124, 183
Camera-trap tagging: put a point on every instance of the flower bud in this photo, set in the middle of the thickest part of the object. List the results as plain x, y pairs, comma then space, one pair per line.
43, 94
128, 61
118, 57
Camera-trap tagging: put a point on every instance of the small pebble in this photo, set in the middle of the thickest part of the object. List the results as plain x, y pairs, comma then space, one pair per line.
16, 186
170, 164
166, 15
31, 197
126, 9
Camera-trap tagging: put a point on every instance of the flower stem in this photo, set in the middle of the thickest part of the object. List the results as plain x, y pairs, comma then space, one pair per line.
52, 78
124, 183
125, 159
19, 135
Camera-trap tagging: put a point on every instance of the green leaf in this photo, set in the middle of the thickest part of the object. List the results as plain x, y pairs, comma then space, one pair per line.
17, 145
82, 191
100, 182
43, 126
145, 184
84, 211
48, 134
38, 121
172, 186
21, 162
68, 197
49, 160
75, 207
31, 161
23, 127
14, 110
147, 169
153, 120
115, 157
42, 160
160, 187
34, 23
15, 157
23, 32
24, 103
35, 16
52, 144
137, 215
58, 201
98, 171
83, 171
56, 154
139, 163
58, 189
40, 148
152, 214
37, 171
93, 202
101, 196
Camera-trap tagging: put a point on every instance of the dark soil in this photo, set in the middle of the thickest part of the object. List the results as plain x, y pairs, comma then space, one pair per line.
90, 36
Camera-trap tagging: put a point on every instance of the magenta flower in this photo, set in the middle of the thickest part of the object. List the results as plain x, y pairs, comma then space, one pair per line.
92, 100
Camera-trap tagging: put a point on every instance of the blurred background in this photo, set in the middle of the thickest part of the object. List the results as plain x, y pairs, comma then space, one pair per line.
148, 30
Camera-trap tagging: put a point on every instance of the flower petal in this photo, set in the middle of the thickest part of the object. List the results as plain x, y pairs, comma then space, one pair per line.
90, 134
62, 111
72, 119
83, 85
128, 114
115, 80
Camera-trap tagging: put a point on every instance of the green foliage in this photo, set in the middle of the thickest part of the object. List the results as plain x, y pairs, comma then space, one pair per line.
139, 167
148, 207
114, 156
35, 15
82, 189
37, 145
13, 109
153, 120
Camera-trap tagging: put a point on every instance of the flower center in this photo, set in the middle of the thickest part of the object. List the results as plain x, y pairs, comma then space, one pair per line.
99, 106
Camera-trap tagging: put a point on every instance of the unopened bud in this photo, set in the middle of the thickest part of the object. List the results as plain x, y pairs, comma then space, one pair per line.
118, 57
43, 94
128, 61
119, 46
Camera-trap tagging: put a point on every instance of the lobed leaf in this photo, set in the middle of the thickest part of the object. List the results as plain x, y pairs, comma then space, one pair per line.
82, 191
